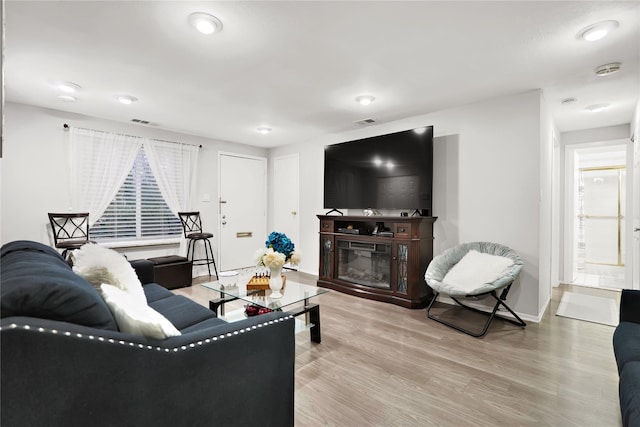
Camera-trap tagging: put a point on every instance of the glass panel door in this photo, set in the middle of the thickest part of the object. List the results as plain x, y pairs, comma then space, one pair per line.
601, 247
602, 216
364, 263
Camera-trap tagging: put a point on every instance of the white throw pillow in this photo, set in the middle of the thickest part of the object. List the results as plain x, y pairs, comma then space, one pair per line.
99, 265
476, 269
135, 318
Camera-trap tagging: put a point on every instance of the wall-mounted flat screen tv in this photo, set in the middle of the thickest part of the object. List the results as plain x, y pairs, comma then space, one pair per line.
392, 171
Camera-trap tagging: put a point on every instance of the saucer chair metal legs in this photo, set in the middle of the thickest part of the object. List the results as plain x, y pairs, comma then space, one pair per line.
443, 263
499, 302
192, 226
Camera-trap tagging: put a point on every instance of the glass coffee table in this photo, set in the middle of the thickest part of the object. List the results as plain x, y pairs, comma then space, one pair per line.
294, 301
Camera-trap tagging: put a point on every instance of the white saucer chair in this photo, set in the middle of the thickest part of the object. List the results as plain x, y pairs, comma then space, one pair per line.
475, 270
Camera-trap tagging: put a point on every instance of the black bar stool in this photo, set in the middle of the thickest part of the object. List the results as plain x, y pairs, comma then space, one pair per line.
192, 226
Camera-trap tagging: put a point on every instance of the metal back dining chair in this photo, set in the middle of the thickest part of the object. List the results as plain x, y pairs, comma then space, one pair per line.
70, 231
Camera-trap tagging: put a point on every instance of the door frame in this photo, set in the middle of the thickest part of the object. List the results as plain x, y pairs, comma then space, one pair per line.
263, 160
635, 214
569, 206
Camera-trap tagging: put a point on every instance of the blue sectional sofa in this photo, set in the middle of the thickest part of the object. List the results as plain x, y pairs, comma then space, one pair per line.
65, 363
626, 347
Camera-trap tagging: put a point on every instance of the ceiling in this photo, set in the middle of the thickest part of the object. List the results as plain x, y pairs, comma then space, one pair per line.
297, 66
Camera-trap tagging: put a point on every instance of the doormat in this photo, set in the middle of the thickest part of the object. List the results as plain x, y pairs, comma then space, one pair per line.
589, 308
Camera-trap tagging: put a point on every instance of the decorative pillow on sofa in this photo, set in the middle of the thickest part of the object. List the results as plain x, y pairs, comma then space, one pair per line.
476, 269
99, 265
135, 318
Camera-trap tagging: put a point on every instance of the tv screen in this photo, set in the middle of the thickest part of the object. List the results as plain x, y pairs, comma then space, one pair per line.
393, 171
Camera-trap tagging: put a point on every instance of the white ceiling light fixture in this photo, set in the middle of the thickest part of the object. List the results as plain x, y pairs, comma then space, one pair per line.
205, 23
595, 108
608, 69
67, 87
365, 99
67, 98
597, 31
420, 131
263, 130
126, 99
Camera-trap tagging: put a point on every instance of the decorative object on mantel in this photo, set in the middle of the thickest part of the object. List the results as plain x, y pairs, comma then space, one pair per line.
371, 212
278, 250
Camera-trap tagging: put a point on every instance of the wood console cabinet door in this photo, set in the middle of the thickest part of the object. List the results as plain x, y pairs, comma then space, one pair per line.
327, 245
327, 249
400, 268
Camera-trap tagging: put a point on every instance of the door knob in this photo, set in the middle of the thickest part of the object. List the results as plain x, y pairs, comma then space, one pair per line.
224, 222
294, 213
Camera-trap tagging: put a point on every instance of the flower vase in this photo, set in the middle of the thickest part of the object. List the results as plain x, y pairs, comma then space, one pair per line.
275, 281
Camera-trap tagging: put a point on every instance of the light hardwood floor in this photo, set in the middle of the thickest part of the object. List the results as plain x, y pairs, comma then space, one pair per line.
384, 365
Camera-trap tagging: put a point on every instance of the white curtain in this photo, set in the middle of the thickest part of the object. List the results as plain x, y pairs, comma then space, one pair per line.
100, 162
175, 168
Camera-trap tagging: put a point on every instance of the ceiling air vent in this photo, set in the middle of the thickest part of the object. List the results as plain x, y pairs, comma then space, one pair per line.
608, 69
144, 122
364, 122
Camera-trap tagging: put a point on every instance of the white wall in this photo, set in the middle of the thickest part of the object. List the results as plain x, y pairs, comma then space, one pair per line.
35, 171
608, 133
548, 233
487, 184
635, 123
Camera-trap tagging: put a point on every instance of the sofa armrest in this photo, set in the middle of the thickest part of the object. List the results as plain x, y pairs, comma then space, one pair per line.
144, 270
235, 374
630, 306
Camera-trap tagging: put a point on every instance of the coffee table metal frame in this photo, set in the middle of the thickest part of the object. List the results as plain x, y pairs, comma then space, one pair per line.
240, 292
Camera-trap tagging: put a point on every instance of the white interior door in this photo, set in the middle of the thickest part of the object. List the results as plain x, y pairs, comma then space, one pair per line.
243, 209
286, 175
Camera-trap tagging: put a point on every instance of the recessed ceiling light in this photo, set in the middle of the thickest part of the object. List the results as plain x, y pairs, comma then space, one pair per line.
126, 99
608, 69
264, 130
365, 99
597, 107
67, 98
67, 87
205, 23
420, 131
597, 31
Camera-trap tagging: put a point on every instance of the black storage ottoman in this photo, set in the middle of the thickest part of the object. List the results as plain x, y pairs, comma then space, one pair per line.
172, 271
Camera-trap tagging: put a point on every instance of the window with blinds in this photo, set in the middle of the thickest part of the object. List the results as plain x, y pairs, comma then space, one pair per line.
138, 210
